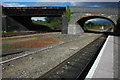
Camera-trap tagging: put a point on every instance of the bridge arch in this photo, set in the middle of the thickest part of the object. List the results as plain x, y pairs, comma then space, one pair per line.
82, 20
78, 20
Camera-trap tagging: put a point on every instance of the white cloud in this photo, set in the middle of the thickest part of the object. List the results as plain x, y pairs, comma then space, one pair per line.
60, 0
44, 3
31, 4
38, 18
13, 5
98, 20
93, 20
73, 3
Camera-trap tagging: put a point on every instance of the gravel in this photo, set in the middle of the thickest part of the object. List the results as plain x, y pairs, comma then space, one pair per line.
35, 65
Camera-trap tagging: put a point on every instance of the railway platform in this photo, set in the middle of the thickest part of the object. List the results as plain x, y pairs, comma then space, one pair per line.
106, 64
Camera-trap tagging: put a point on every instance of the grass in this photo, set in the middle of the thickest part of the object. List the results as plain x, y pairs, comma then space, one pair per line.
34, 43
30, 43
5, 46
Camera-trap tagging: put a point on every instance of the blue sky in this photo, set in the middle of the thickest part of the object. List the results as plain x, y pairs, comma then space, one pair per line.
36, 4
59, 0
38, 18
61, 4
99, 20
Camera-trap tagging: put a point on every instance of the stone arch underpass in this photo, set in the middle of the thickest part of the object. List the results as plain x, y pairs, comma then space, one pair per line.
81, 15
82, 21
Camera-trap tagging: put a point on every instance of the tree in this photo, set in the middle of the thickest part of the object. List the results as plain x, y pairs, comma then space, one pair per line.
49, 19
68, 13
53, 19
90, 24
117, 27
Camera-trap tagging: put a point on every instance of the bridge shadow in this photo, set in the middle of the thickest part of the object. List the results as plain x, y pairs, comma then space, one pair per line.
36, 27
42, 28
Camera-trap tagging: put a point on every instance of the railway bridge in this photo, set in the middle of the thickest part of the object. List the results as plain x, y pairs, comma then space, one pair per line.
20, 16
82, 14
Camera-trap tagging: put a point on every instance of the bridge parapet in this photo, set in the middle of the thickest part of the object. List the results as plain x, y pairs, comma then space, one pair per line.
97, 10
34, 11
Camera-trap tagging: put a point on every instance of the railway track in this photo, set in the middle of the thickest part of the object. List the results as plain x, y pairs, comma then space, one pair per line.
10, 34
7, 60
29, 53
78, 65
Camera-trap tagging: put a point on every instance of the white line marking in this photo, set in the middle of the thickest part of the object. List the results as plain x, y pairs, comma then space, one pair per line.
93, 68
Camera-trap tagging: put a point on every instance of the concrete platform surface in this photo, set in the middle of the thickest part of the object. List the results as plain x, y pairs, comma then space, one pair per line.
106, 64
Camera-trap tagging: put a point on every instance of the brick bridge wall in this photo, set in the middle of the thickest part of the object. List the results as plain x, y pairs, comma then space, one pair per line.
80, 12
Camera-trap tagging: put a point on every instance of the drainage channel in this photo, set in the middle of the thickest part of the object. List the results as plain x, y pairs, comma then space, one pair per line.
78, 65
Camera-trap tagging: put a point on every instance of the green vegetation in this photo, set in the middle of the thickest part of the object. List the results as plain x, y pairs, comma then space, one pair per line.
68, 13
95, 25
54, 22
5, 46
118, 21
51, 22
